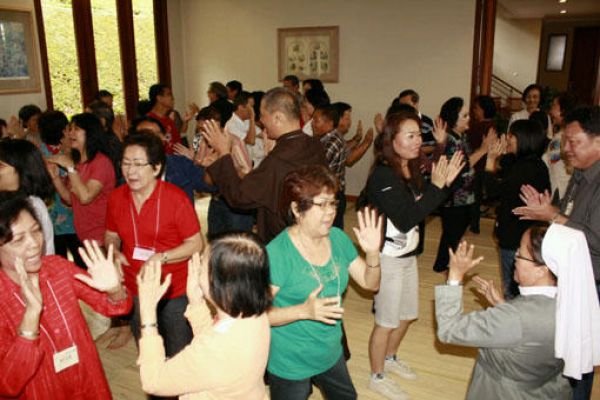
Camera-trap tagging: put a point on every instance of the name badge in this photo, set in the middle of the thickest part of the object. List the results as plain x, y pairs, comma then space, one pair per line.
569, 208
66, 358
142, 253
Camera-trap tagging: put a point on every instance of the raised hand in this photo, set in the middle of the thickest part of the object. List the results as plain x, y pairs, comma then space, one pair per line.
368, 232
461, 261
150, 290
496, 148
488, 290
194, 291
191, 111
15, 129
63, 160
538, 206
439, 130
326, 310
182, 150
219, 140
378, 121
455, 166
489, 139
103, 274
30, 287
439, 172
369, 136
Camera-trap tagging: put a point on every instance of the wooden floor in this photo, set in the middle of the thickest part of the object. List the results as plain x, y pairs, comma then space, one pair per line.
443, 370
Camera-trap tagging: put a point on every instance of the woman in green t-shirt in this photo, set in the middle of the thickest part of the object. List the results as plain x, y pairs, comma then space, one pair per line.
310, 265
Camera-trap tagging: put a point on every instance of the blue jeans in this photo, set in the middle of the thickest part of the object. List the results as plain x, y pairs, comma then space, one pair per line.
509, 286
335, 384
172, 324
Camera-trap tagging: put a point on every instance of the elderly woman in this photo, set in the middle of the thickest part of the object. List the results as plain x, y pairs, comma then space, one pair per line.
310, 266
151, 220
91, 176
518, 338
228, 355
46, 350
397, 190
504, 176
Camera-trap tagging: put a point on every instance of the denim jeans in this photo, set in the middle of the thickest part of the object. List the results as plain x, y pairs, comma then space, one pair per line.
509, 286
335, 384
172, 324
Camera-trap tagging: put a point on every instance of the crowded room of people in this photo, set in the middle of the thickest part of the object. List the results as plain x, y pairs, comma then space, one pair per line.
207, 199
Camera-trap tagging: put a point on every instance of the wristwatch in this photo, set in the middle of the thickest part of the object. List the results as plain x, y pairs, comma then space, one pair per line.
71, 170
451, 282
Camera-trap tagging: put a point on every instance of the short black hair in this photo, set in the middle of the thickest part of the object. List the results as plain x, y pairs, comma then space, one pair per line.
533, 86
136, 122
330, 112
487, 104
531, 137
27, 160
314, 84
541, 118
52, 125
414, 96
567, 101
235, 85
341, 107
317, 97
103, 93
397, 107
588, 118
241, 99
257, 96
208, 113
238, 274
155, 150
102, 110
450, 111
218, 89
292, 78
28, 111
11, 206
156, 90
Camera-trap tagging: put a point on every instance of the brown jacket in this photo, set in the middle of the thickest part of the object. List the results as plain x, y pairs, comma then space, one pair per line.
261, 188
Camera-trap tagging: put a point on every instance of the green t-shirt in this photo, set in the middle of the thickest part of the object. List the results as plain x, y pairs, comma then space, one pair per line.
306, 348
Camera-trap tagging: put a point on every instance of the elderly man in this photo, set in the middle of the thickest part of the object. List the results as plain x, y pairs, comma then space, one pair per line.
260, 189
579, 207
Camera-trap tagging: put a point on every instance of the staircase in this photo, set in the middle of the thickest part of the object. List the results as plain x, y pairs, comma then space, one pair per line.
506, 96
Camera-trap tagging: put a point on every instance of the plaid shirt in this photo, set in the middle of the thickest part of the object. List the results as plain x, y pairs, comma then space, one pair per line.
336, 153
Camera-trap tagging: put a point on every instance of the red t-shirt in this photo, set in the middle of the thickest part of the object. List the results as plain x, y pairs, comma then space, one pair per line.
90, 219
172, 133
177, 221
27, 365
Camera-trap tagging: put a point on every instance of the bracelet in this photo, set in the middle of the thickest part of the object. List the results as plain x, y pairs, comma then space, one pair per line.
452, 282
31, 335
150, 325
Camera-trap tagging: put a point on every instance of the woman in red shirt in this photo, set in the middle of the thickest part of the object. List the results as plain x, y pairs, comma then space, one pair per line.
91, 176
46, 350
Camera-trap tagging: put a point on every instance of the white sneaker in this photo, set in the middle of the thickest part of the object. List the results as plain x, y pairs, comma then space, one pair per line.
400, 368
388, 388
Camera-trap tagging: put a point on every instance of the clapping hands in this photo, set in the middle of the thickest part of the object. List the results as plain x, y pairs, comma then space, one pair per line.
444, 172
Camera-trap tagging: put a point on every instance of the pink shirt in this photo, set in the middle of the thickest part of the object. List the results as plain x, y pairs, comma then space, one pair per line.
90, 219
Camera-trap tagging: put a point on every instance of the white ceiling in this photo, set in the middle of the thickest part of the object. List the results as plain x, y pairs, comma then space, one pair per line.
549, 8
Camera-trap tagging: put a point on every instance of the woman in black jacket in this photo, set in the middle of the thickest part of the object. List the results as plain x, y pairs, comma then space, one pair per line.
504, 175
396, 188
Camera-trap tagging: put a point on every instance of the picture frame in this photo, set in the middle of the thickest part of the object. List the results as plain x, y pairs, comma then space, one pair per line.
19, 65
309, 53
556, 52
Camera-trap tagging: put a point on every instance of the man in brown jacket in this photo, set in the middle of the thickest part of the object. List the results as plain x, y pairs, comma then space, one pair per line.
260, 189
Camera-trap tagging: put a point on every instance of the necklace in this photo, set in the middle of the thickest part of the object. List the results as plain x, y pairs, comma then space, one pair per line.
314, 269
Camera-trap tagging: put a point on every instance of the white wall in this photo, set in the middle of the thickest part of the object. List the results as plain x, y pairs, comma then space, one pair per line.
516, 49
10, 103
385, 46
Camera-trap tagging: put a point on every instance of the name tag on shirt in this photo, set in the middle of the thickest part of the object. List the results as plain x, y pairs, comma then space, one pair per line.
142, 253
66, 358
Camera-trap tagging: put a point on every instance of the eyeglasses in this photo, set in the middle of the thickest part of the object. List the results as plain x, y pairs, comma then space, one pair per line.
520, 257
326, 203
134, 163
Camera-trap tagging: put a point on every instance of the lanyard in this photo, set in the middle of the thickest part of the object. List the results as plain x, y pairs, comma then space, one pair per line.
62, 315
135, 233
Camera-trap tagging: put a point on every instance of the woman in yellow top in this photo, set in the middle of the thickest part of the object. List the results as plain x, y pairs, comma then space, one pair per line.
228, 355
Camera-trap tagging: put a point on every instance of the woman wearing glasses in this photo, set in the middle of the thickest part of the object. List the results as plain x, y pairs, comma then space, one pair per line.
310, 265
91, 176
151, 220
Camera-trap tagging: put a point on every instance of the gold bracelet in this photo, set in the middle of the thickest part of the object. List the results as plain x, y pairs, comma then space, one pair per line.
31, 335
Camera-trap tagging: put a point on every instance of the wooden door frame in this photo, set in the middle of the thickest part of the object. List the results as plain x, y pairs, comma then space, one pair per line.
483, 47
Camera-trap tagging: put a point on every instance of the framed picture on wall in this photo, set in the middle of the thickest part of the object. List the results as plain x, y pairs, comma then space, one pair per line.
19, 68
557, 50
311, 52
